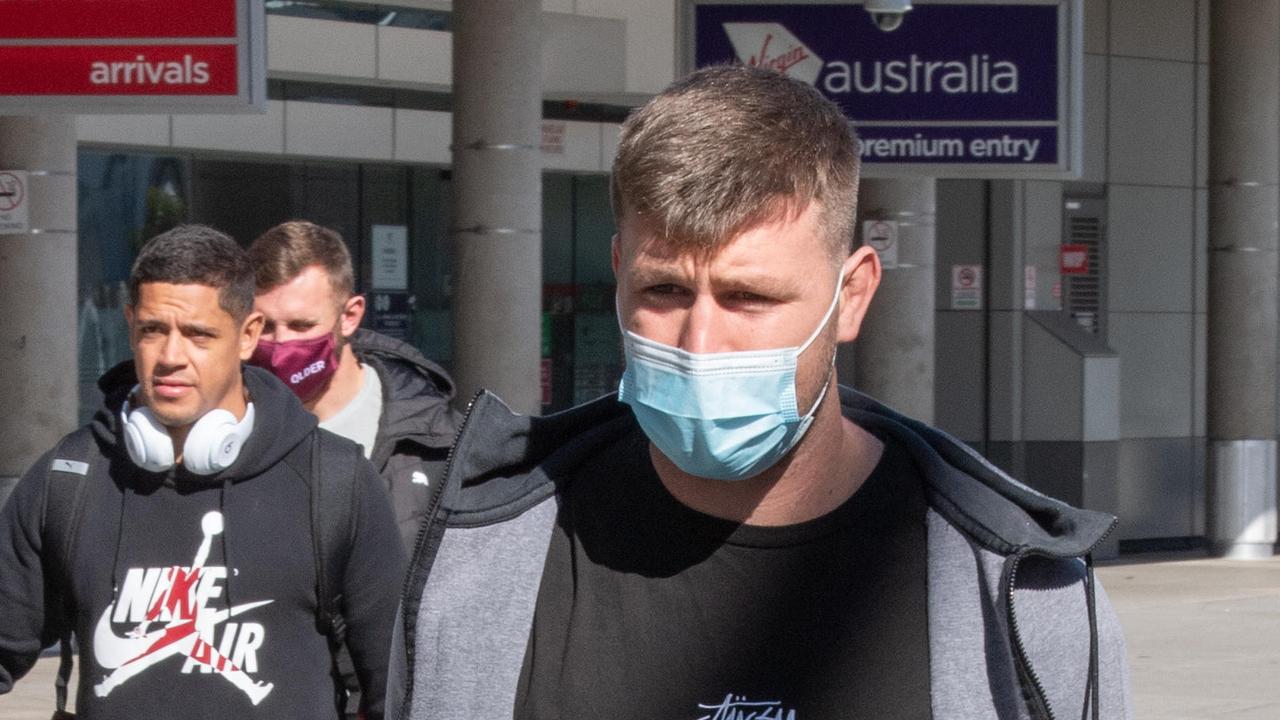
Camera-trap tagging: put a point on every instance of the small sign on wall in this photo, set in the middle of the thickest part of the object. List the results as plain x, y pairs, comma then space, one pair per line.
390, 247
966, 287
882, 235
553, 137
1073, 259
392, 314
13, 203
544, 380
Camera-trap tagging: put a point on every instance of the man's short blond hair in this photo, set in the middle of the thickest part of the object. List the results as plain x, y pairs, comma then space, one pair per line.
730, 147
283, 252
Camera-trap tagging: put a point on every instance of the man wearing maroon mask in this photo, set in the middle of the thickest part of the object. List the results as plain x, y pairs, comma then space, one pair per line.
375, 390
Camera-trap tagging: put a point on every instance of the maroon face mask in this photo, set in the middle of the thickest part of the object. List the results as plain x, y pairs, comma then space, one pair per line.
304, 365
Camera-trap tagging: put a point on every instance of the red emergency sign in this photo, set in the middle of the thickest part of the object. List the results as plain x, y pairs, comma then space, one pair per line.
1073, 259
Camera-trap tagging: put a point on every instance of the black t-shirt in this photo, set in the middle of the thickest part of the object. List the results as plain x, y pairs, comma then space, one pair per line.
649, 609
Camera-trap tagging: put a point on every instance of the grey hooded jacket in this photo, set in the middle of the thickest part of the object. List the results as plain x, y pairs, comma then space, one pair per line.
1017, 627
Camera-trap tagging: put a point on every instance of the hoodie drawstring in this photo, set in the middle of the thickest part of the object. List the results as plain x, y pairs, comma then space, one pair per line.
121, 540
226, 559
115, 560
1092, 701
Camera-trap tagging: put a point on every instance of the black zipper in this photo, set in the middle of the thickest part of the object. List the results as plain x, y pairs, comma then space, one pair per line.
419, 549
1038, 696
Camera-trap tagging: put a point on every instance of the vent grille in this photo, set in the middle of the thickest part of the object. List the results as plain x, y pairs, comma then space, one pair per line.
1084, 295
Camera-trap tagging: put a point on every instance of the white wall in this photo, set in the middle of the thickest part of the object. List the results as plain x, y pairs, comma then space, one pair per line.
585, 54
298, 129
1145, 141
1146, 112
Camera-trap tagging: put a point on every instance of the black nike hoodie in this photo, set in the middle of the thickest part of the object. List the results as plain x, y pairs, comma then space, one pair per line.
195, 596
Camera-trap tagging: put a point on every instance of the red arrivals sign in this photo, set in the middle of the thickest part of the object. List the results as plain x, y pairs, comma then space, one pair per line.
132, 56
1073, 259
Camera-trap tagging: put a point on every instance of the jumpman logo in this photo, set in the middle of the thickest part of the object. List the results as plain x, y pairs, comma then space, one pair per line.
176, 600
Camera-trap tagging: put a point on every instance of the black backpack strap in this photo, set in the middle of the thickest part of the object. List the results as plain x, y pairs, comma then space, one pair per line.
333, 477
64, 507
66, 661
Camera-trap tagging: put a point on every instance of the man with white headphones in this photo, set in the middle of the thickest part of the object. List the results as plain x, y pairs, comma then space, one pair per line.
176, 535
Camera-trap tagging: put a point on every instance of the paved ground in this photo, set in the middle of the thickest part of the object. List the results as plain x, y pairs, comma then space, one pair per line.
1203, 637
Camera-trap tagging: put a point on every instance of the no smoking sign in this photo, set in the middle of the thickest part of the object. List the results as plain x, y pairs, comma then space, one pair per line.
882, 235
966, 287
13, 203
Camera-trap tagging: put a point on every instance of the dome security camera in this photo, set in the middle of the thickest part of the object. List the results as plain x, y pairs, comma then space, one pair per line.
887, 14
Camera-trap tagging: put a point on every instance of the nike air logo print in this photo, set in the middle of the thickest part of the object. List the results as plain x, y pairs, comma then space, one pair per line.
169, 613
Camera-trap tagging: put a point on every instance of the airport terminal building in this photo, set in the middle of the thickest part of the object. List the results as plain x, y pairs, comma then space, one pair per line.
1060, 325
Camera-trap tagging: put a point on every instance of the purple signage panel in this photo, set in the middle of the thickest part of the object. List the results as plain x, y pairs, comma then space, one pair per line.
960, 89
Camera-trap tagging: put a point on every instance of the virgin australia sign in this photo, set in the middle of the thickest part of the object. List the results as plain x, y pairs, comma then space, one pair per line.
980, 89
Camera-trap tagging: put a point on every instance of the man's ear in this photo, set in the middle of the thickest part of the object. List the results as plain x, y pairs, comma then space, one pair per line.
860, 277
352, 315
615, 256
250, 331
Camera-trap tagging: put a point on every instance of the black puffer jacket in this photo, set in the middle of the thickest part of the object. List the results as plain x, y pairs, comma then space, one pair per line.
416, 428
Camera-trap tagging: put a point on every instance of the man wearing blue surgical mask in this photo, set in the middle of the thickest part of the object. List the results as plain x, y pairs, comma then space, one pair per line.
733, 534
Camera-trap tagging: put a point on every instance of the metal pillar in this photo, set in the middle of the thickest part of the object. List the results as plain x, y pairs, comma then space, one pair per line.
1244, 209
38, 379
497, 176
895, 360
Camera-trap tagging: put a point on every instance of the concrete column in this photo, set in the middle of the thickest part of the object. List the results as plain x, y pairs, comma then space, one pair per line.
895, 349
38, 354
497, 176
1244, 209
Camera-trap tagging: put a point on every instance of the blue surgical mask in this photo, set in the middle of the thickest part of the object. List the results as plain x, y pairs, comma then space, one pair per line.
726, 415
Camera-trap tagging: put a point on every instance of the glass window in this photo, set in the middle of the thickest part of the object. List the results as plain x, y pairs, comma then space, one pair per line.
430, 259
582, 357
415, 18
396, 220
124, 199
245, 198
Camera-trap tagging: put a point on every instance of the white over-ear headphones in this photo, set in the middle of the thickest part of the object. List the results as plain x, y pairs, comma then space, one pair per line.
212, 445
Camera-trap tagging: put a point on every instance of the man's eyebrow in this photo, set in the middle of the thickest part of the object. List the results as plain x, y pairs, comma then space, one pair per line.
194, 327
148, 320
760, 283
294, 320
656, 274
